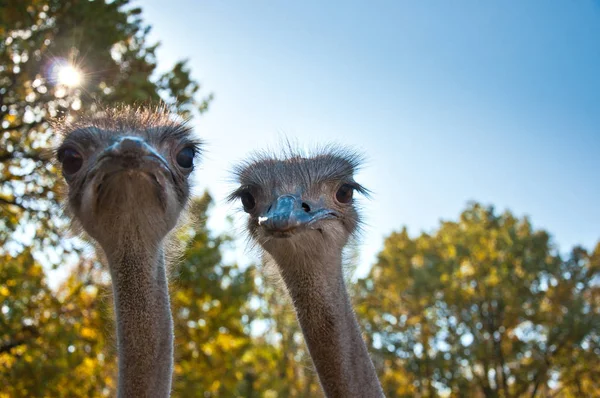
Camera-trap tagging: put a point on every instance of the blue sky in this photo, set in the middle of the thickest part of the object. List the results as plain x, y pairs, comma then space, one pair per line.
497, 102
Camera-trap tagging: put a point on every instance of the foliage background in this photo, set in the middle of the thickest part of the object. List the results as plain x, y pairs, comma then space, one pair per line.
482, 306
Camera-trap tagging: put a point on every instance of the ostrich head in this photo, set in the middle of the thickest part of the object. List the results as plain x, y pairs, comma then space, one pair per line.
127, 170
299, 205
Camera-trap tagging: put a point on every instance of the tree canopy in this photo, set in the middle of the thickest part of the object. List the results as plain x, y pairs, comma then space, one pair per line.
483, 304
58, 58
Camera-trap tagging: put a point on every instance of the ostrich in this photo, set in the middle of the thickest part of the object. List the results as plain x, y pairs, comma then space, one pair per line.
302, 214
127, 173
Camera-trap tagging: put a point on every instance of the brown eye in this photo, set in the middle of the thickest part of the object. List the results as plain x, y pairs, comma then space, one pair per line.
71, 161
344, 194
185, 158
248, 201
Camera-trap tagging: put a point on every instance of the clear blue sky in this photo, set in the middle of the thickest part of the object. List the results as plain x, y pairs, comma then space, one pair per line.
497, 102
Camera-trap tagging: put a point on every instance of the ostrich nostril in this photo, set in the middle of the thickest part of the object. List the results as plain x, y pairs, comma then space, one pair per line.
269, 209
306, 207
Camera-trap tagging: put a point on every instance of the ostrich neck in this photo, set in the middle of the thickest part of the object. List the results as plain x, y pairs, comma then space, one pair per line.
330, 327
144, 323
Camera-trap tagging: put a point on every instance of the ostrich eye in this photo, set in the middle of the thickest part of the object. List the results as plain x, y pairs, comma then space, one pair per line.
344, 194
71, 161
247, 201
185, 157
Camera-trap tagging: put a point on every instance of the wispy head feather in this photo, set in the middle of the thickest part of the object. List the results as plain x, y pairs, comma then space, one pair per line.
323, 164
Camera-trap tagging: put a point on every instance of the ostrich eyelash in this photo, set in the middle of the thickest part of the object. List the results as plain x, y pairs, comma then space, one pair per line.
237, 194
358, 188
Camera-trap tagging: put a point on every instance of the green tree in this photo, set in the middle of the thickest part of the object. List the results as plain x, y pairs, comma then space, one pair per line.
53, 342
59, 342
486, 305
105, 41
210, 303
282, 365
235, 334
47, 334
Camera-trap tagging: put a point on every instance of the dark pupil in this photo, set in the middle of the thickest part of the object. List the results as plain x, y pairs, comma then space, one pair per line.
248, 201
71, 161
344, 194
185, 158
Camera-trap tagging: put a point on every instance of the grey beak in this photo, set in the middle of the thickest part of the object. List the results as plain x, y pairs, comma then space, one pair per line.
131, 147
133, 152
289, 212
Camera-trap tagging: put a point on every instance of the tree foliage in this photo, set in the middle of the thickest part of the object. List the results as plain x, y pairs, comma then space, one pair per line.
220, 348
107, 42
210, 303
483, 304
53, 342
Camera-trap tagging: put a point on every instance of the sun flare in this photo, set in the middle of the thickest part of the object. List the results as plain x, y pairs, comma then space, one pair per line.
69, 76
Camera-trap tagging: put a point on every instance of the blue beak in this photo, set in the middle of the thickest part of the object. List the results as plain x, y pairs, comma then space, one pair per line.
289, 212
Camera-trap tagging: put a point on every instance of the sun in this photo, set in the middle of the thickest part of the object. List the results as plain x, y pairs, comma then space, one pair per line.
69, 76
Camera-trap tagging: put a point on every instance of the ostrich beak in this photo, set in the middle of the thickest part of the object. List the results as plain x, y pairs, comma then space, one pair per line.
132, 153
289, 212
132, 149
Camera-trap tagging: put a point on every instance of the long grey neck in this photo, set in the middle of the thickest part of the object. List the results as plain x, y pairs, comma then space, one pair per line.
144, 323
330, 327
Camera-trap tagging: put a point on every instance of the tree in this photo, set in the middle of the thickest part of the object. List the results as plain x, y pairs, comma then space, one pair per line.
235, 335
210, 303
483, 304
282, 366
53, 342
48, 333
44, 44
45, 47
